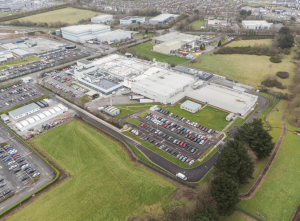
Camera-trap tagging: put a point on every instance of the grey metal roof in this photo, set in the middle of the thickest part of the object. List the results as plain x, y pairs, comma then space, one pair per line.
83, 61
3, 116
191, 105
23, 110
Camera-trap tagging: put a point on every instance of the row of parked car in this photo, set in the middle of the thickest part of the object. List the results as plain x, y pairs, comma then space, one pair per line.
197, 125
2, 184
16, 162
62, 88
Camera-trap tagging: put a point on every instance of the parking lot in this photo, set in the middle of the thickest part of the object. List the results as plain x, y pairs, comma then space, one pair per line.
20, 181
46, 61
17, 94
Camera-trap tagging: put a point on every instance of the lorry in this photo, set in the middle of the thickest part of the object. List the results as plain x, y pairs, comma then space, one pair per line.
181, 176
135, 97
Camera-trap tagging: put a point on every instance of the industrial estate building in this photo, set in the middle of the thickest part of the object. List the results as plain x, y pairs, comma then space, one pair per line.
83, 33
253, 24
168, 46
162, 19
132, 20
102, 19
190, 106
116, 35
24, 111
157, 82
185, 38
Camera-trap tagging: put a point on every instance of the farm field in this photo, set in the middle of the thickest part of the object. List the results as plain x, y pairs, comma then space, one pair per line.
67, 15
246, 43
198, 24
145, 48
233, 67
104, 183
207, 117
18, 62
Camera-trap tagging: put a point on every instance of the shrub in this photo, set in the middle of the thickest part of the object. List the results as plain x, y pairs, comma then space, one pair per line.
275, 59
273, 83
283, 74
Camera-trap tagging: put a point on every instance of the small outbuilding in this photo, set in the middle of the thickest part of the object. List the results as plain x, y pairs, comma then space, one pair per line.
4, 117
190, 106
230, 117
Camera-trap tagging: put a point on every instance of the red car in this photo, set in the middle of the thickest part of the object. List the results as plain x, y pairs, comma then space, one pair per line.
166, 125
190, 136
151, 115
143, 124
178, 131
16, 155
181, 143
205, 138
198, 125
203, 128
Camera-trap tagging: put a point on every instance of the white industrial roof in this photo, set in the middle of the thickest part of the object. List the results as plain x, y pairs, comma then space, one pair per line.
164, 84
47, 113
163, 17
102, 16
20, 52
191, 105
57, 109
36, 118
256, 22
30, 120
24, 123
81, 28
117, 34
19, 125
176, 36
41, 115
52, 111
24, 109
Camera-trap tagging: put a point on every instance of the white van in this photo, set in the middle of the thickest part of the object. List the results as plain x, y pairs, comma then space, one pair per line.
181, 176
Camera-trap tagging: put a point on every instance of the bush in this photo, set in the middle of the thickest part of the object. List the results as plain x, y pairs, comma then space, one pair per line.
273, 83
275, 59
283, 74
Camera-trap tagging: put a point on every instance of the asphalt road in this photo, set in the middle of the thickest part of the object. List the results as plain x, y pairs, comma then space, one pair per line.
14, 180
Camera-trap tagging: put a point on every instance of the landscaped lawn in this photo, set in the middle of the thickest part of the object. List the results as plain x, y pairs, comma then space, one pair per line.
18, 62
207, 117
103, 184
145, 48
148, 35
246, 43
133, 121
198, 24
246, 69
131, 108
68, 15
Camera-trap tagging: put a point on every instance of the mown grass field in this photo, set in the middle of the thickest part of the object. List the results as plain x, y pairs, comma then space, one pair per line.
246, 69
145, 48
207, 117
246, 43
104, 183
18, 62
64, 15
148, 35
198, 24
133, 121
131, 108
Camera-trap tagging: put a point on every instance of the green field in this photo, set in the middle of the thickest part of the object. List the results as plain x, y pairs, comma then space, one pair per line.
131, 108
104, 183
246, 43
145, 48
246, 69
198, 24
68, 15
133, 121
18, 62
148, 35
207, 117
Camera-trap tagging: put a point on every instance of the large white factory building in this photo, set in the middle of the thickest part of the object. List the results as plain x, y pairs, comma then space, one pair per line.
83, 33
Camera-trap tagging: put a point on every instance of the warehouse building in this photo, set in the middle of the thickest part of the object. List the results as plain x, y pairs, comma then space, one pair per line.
132, 20
102, 19
83, 33
105, 86
24, 111
252, 24
162, 19
190, 106
116, 35
168, 46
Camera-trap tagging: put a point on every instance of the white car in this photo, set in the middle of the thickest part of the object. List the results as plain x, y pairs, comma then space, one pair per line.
191, 162
7, 104
202, 142
23, 167
10, 163
36, 174
12, 167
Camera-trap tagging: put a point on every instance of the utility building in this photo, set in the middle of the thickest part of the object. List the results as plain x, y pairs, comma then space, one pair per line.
166, 47
190, 106
162, 19
101, 19
132, 20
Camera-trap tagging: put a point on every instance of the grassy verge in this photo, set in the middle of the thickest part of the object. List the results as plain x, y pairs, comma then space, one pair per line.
146, 47
129, 109
104, 184
143, 114
84, 100
148, 35
133, 121
18, 62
